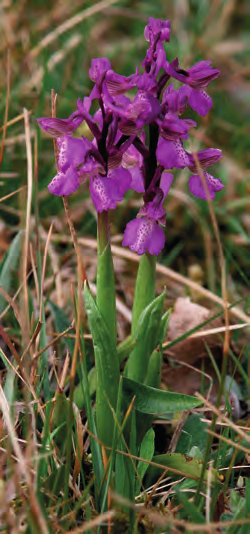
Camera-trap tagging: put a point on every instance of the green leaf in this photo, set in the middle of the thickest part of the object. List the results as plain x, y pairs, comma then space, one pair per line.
156, 401
60, 419
107, 369
62, 323
193, 434
147, 335
153, 378
144, 288
163, 327
125, 347
9, 386
189, 467
146, 453
10, 266
123, 350
189, 507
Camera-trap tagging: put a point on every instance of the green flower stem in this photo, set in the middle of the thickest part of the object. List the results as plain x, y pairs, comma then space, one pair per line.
105, 298
145, 286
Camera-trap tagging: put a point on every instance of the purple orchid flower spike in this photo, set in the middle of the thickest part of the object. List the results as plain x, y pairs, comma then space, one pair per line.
118, 157
143, 234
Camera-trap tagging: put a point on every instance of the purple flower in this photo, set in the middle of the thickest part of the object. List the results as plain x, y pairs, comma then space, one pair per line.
72, 151
157, 29
206, 157
175, 100
118, 84
197, 188
64, 183
99, 67
172, 128
59, 127
197, 78
144, 109
132, 160
156, 32
118, 157
107, 191
143, 234
171, 154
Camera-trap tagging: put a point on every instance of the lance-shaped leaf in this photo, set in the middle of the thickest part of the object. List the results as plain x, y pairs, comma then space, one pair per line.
146, 453
157, 401
9, 267
147, 335
144, 288
178, 464
107, 369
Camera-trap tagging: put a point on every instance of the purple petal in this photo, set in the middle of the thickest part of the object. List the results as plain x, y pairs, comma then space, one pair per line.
64, 183
117, 84
171, 154
197, 189
200, 101
98, 68
107, 191
104, 193
137, 180
156, 241
72, 151
154, 210
90, 169
123, 179
156, 26
59, 127
173, 128
143, 234
144, 109
166, 182
206, 157
202, 74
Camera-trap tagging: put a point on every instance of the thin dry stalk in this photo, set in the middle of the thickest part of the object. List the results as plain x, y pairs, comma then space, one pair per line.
28, 216
164, 521
34, 505
44, 269
67, 25
65, 200
6, 106
221, 256
224, 418
13, 193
